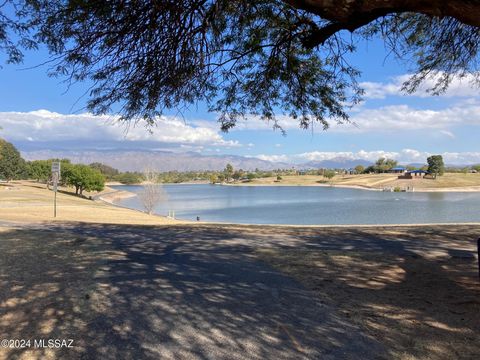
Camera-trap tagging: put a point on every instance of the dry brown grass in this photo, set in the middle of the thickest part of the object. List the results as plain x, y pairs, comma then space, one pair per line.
450, 181
30, 201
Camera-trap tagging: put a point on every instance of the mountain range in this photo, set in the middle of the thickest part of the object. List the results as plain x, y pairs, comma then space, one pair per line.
158, 160
139, 160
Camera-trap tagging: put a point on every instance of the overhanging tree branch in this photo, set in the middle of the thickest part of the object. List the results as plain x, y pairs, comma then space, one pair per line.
353, 14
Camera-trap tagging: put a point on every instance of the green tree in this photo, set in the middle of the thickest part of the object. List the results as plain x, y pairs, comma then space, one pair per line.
241, 57
107, 171
12, 165
329, 174
228, 172
238, 174
213, 179
83, 178
251, 176
436, 166
129, 178
476, 168
383, 165
359, 169
39, 170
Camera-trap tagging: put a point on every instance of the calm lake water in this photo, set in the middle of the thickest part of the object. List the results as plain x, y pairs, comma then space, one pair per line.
310, 205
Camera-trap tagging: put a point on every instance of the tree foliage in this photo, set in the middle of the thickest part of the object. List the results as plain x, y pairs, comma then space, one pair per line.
129, 178
435, 165
83, 178
39, 170
243, 58
107, 171
383, 165
12, 165
359, 169
228, 172
329, 174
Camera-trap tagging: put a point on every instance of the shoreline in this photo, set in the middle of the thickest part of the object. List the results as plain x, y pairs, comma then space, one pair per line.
114, 195
357, 187
363, 187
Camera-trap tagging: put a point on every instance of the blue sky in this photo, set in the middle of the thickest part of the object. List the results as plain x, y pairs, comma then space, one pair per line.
37, 113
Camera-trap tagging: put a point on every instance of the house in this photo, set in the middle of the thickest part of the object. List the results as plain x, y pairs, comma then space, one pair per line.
414, 174
397, 170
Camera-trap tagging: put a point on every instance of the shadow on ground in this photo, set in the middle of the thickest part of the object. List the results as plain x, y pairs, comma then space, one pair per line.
190, 292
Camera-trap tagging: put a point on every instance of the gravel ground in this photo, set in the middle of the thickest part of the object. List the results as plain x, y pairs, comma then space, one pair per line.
193, 292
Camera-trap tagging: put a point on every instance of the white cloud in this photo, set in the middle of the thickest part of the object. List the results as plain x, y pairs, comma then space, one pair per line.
380, 119
404, 117
447, 133
459, 87
46, 126
273, 158
403, 156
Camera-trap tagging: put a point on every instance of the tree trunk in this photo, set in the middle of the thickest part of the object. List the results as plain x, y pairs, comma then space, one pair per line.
353, 14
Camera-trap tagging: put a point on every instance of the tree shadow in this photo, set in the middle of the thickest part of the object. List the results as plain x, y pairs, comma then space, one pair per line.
415, 290
168, 292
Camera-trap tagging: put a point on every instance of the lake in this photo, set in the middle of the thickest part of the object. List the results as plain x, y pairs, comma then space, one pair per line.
309, 205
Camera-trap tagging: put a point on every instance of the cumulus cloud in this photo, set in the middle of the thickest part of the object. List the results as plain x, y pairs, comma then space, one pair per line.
274, 158
46, 126
381, 119
404, 156
459, 87
404, 117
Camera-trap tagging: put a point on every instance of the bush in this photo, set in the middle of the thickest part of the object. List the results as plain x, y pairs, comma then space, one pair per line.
129, 178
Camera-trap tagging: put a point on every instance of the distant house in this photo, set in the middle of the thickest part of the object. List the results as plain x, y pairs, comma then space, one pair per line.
414, 174
397, 170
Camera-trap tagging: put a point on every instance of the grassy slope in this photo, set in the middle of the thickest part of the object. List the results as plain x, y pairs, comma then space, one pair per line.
29, 201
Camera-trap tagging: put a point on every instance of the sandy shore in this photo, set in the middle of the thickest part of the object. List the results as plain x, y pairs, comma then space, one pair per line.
115, 195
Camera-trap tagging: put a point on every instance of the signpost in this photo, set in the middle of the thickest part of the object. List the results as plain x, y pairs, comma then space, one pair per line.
55, 179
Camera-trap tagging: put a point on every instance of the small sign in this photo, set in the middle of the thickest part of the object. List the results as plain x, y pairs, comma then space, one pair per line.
56, 167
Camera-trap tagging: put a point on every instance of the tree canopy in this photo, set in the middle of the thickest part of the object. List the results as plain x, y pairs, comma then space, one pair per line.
435, 165
242, 58
12, 165
83, 178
